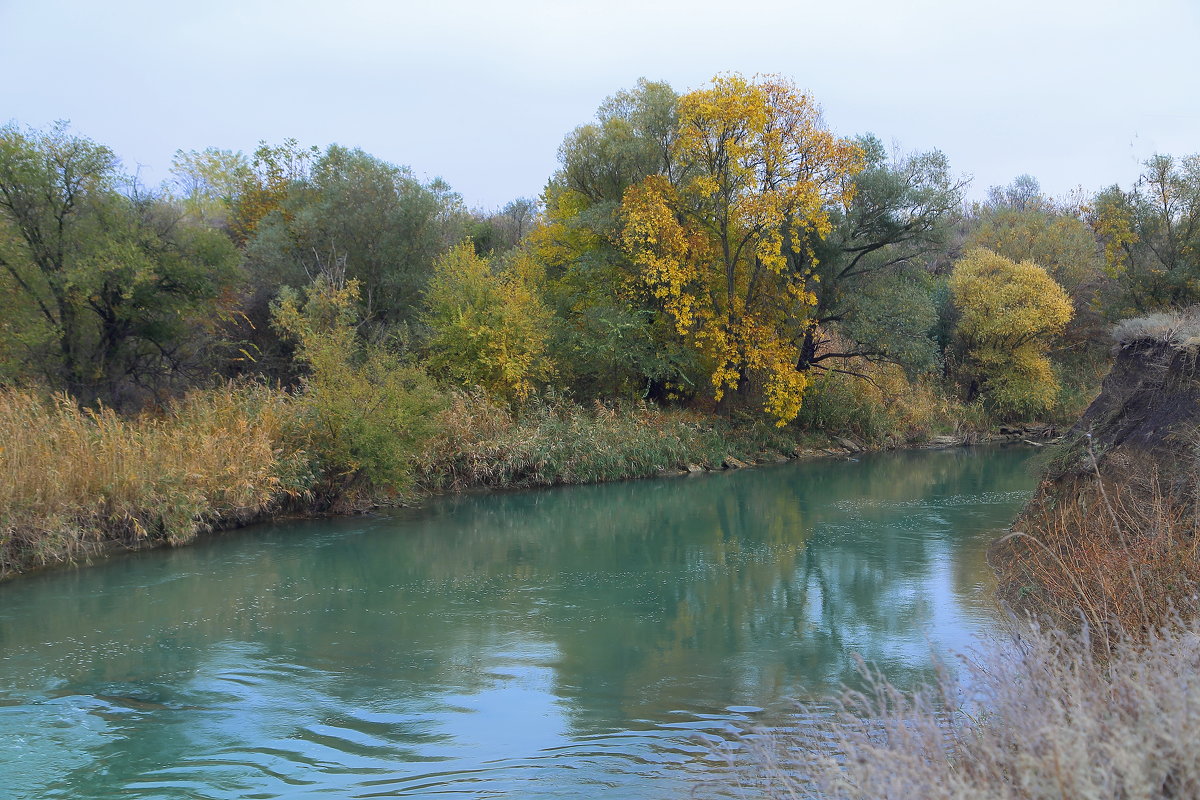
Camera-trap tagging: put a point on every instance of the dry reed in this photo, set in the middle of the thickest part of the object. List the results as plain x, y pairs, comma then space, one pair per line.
1122, 551
72, 479
1044, 718
552, 440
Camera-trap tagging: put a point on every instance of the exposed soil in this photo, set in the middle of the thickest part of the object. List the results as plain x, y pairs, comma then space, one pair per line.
1112, 524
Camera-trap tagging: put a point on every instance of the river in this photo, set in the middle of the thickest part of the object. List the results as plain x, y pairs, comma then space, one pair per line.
561, 643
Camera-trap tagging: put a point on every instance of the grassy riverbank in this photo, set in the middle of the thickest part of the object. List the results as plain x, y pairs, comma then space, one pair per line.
75, 483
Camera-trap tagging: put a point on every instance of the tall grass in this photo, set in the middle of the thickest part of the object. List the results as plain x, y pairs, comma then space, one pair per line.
72, 479
1046, 718
551, 440
1124, 549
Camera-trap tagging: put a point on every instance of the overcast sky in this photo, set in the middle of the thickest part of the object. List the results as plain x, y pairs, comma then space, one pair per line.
1073, 92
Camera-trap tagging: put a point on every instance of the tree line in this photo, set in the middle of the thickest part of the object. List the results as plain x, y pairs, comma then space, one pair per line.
720, 249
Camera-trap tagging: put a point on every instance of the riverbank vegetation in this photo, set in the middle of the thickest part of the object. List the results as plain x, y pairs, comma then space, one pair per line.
708, 275
1110, 537
1095, 694
76, 479
1051, 718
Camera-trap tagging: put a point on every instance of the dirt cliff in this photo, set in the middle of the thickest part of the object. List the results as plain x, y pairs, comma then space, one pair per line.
1111, 529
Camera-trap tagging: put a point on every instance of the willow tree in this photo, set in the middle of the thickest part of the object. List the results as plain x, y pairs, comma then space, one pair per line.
875, 297
725, 241
1009, 314
1022, 225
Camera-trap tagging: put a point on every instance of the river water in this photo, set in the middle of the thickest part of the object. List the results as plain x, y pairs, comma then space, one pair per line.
576, 642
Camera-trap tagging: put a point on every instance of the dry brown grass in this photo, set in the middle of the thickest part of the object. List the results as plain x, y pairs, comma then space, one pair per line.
1098, 699
71, 479
1043, 718
1115, 550
1179, 330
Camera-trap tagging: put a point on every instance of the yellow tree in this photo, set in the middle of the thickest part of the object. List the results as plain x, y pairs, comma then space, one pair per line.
725, 243
488, 329
1009, 313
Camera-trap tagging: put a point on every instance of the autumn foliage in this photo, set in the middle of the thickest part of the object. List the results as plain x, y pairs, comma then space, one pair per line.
717, 250
489, 330
1009, 313
725, 243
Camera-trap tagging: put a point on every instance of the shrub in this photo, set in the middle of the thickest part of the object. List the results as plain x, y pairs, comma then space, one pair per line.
489, 329
552, 440
885, 407
1008, 315
362, 413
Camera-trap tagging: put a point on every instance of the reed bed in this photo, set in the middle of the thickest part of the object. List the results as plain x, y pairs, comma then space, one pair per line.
72, 479
551, 440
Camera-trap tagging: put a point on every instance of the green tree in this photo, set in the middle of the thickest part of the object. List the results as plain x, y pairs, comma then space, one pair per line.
614, 338
106, 291
1024, 193
1151, 237
364, 413
634, 136
47, 181
488, 328
1008, 315
373, 217
276, 173
497, 233
875, 299
205, 183
342, 211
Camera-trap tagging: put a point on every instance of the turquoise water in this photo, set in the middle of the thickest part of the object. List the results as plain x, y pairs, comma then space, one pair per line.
576, 642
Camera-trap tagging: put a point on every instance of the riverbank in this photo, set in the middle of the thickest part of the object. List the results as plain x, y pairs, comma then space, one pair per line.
1095, 694
82, 484
79, 485
1111, 533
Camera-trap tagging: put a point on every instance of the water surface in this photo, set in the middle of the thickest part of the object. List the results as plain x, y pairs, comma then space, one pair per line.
559, 643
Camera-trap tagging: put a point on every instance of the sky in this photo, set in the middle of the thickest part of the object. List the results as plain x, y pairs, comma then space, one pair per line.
1076, 93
